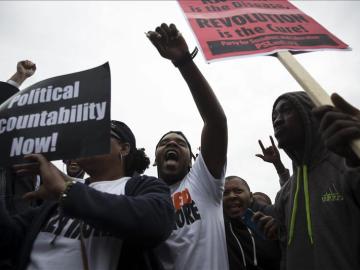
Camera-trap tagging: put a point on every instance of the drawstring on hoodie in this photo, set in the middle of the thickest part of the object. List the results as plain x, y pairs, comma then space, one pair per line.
241, 249
294, 209
254, 246
237, 240
307, 204
301, 171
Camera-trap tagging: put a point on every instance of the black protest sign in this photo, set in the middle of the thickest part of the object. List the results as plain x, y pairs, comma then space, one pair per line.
64, 117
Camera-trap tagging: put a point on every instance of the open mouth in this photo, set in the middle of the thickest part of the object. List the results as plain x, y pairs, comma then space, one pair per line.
235, 209
171, 155
234, 205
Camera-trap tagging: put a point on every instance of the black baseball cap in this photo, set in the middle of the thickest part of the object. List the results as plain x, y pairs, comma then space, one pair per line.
122, 132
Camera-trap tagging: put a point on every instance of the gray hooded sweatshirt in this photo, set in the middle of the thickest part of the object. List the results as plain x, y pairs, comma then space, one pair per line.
319, 207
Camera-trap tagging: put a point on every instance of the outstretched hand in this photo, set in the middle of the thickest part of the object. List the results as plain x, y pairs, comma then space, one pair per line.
26, 68
53, 181
269, 154
339, 125
169, 42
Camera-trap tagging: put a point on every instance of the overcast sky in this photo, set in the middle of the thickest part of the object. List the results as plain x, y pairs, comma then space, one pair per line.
149, 94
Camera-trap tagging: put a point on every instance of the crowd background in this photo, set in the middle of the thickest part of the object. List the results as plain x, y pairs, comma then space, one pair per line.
64, 37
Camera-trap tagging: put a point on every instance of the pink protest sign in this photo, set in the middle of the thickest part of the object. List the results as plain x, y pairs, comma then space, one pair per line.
236, 28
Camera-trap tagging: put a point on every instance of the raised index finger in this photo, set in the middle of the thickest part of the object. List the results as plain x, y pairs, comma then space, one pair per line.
272, 142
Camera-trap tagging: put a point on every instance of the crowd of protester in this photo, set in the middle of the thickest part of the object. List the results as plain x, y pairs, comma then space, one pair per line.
106, 214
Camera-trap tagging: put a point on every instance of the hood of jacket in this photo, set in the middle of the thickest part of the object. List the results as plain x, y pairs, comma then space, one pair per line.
314, 149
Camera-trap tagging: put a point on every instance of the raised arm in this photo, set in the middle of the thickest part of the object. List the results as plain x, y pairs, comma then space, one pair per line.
24, 70
171, 45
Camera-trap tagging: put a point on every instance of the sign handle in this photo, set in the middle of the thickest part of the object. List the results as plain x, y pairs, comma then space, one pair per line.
316, 93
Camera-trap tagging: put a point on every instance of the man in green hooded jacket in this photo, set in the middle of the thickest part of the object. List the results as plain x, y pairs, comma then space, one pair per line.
318, 208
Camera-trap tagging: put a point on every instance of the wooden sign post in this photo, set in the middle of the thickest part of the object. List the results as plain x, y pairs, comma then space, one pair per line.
316, 93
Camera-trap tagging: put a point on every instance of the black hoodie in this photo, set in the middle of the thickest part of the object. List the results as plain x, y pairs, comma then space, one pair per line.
248, 251
319, 206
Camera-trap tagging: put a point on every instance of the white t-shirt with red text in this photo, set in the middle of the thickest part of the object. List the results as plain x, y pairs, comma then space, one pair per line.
198, 239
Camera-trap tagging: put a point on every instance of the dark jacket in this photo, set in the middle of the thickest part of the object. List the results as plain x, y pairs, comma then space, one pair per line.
241, 242
13, 187
319, 206
144, 219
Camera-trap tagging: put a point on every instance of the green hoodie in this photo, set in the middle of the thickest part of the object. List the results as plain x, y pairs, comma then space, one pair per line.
319, 207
